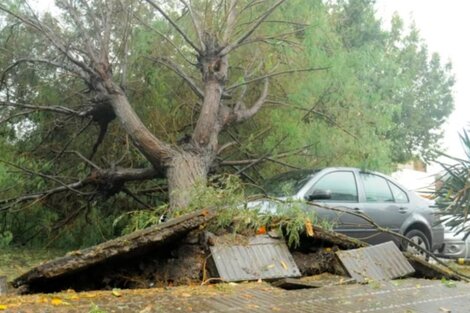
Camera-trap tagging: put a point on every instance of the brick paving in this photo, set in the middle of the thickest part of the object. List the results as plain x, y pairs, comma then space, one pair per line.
402, 296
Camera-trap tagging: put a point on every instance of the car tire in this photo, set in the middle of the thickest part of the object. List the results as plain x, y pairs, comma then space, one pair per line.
420, 239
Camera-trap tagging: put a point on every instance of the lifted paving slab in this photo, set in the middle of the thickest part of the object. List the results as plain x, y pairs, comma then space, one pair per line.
404, 296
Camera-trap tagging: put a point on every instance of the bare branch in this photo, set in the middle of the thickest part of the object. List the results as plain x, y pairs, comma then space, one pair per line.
273, 158
55, 109
175, 68
8, 203
53, 39
251, 30
73, 138
166, 38
31, 172
262, 157
75, 15
98, 177
278, 37
231, 18
44, 61
196, 23
312, 69
81, 156
177, 28
12, 116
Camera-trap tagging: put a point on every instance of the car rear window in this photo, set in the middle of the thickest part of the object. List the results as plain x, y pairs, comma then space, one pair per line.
376, 188
287, 184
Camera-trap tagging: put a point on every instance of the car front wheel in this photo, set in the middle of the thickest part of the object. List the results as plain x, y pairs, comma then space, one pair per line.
420, 239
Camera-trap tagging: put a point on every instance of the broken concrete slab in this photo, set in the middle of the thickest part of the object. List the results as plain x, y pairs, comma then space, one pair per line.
118, 250
252, 258
380, 262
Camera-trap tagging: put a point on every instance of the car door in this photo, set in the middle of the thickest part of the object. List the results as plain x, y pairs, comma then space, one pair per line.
338, 190
385, 203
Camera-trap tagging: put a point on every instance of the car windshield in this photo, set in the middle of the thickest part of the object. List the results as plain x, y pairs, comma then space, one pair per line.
288, 184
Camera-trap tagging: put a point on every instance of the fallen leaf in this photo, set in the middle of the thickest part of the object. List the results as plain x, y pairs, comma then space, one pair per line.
186, 295
42, 300
74, 297
116, 292
445, 310
284, 265
261, 230
3, 307
56, 301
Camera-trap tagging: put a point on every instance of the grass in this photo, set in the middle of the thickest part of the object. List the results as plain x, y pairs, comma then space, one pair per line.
16, 261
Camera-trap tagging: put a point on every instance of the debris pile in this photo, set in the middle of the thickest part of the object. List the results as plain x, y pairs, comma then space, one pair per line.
181, 251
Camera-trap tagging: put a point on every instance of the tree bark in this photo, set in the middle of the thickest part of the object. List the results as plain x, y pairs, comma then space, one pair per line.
185, 171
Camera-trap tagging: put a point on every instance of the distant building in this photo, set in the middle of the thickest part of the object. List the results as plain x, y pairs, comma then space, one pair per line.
414, 176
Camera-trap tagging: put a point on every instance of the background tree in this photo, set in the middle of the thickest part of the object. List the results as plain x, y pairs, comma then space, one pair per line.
112, 106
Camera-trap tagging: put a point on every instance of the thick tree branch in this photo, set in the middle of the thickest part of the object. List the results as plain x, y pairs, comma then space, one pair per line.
103, 179
246, 113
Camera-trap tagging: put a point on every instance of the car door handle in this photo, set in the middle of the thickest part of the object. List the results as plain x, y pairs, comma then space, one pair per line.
402, 210
357, 210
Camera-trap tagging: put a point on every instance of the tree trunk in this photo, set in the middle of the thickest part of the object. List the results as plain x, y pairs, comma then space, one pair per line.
185, 171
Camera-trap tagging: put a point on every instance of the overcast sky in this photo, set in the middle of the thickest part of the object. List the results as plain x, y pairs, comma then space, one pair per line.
444, 25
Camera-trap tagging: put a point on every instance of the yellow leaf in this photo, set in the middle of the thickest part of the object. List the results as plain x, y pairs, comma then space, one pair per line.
56, 301
186, 295
116, 293
42, 300
309, 228
3, 307
284, 265
74, 297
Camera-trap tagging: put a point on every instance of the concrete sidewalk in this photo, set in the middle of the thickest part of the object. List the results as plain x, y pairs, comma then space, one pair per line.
404, 296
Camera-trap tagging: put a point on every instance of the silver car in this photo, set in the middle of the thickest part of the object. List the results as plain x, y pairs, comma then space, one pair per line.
456, 246
380, 197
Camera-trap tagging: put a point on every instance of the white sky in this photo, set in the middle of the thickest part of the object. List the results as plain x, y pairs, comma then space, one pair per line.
444, 25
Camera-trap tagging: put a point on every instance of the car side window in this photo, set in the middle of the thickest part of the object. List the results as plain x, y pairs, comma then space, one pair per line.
341, 186
376, 188
399, 195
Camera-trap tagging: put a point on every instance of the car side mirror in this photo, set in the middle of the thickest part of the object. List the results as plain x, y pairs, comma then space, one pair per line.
319, 194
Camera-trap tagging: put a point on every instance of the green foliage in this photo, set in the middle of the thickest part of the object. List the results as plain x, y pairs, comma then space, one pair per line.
241, 215
140, 219
5, 239
17, 261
